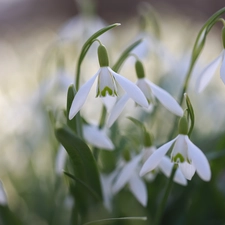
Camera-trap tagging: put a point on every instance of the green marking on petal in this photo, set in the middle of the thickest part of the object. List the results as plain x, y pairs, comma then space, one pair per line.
178, 158
105, 90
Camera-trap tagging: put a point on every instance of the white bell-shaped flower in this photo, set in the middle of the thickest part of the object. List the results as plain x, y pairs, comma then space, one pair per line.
151, 91
107, 85
208, 72
189, 157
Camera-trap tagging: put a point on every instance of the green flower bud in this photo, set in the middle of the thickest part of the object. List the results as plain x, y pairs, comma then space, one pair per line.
103, 56
183, 126
148, 140
223, 36
126, 155
139, 69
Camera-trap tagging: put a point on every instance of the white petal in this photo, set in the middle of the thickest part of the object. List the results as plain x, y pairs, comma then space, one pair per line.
132, 89
109, 102
207, 74
179, 178
60, 160
117, 109
126, 174
166, 167
222, 69
81, 96
138, 188
180, 147
199, 161
97, 137
155, 158
187, 169
106, 181
166, 99
3, 198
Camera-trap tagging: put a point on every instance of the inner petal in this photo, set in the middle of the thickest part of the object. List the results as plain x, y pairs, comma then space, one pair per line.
145, 88
179, 152
187, 169
106, 84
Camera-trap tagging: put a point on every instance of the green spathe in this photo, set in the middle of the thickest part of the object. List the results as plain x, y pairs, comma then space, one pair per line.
139, 69
103, 56
223, 37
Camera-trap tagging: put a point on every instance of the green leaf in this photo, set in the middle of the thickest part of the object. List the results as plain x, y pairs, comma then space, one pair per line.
85, 168
124, 55
73, 123
112, 220
137, 122
7, 217
88, 188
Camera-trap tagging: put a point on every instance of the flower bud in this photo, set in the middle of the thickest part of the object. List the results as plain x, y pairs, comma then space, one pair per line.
183, 126
103, 56
148, 140
139, 69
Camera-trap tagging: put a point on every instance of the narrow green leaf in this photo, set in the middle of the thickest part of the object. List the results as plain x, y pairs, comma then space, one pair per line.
88, 188
84, 164
124, 55
137, 122
112, 220
7, 217
70, 96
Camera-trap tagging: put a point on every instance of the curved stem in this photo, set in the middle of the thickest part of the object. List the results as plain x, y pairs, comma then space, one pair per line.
85, 49
197, 49
165, 196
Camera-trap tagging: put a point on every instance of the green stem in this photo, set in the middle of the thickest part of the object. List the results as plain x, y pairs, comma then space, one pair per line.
198, 46
197, 49
165, 197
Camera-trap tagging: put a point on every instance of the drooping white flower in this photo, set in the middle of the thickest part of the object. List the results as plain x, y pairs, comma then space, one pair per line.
107, 85
151, 91
3, 198
189, 157
208, 72
107, 182
165, 166
81, 27
60, 160
97, 137
129, 174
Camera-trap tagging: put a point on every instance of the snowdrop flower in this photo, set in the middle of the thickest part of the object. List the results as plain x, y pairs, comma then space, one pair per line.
151, 91
165, 166
189, 157
3, 198
83, 25
107, 85
97, 137
208, 72
107, 182
60, 160
129, 175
